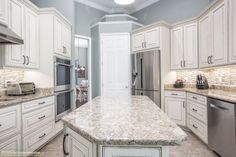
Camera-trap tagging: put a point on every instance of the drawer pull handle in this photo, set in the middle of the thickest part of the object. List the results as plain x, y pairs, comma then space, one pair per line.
41, 103
195, 126
194, 110
0, 125
64, 148
194, 97
174, 94
42, 136
42, 117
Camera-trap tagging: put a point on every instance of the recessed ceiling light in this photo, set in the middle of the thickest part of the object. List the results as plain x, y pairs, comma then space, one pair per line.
124, 2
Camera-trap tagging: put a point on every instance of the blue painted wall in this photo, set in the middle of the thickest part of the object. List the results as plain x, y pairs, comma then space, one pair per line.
171, 10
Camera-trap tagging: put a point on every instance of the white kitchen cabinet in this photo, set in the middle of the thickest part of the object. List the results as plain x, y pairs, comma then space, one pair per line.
177, 49
175, 106
184, 46
62, 37
232, 31
213, 34
4, 5
77, 146
13, 144
147, 39
31, 38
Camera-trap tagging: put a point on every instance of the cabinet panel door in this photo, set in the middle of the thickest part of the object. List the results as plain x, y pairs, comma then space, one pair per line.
152, 38
175, 109
220, 34
32, 38
138, 40
232, 29
58, 43
4, 4
204, 41
13, 144
15, 53
66, 40
191, 46
177, 51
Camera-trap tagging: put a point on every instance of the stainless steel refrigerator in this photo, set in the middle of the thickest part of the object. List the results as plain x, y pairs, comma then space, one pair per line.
146, 75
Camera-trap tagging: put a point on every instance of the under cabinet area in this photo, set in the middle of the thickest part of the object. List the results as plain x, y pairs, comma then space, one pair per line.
184, 46
175, 106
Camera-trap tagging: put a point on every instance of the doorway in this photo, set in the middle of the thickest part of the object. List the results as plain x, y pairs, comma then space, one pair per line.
82, 69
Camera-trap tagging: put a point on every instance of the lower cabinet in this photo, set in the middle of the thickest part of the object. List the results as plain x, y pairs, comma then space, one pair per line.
13, 144
175, 106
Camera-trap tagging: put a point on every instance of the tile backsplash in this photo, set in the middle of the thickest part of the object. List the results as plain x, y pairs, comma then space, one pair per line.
222, 76
7, 74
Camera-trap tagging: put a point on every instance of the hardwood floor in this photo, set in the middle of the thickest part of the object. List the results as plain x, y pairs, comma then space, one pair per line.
193, 147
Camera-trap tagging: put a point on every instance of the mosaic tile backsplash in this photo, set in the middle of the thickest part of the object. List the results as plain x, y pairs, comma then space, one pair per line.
14, 75
222, 76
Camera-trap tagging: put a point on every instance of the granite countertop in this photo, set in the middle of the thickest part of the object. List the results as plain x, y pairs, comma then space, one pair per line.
224, 95
14, 100
134, 120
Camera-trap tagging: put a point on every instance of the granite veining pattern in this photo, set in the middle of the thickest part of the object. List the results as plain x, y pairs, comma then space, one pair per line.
224, 95
134, 120
14, 100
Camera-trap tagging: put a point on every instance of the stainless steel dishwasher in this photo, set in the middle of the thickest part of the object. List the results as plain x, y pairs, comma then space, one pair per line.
222, 127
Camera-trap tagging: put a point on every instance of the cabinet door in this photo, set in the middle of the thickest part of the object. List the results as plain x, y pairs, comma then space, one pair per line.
177, 51
191, 46
4, 4
32, 38
58, 43
204, 41
13, 144
220, 35
15, 53
152, 38
175, 109
66, 40
232, 33
138, 41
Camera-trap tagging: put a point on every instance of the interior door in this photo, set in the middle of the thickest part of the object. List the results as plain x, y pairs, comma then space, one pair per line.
115, 51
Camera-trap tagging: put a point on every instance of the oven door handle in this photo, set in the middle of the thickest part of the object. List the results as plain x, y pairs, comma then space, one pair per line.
67, 65
67, 91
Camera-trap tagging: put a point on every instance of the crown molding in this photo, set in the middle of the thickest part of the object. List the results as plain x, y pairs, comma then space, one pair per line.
95, 5
143, 5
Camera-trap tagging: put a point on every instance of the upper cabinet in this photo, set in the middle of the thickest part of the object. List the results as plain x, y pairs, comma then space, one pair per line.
147, 39
213, 35
62, 37
184, 46
232, 31
4, 4
24, 21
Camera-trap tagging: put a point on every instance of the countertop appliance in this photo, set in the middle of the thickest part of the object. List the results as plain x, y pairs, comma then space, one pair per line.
222, 127
201, 82
146, 75
7, 36
62, 74
17, 89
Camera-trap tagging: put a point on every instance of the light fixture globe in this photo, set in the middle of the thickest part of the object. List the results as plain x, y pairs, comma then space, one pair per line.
124, 2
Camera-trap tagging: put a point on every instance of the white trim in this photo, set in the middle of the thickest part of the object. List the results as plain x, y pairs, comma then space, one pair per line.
120, 15
95, 5
143, 5
89, 63
117, 22
101, 58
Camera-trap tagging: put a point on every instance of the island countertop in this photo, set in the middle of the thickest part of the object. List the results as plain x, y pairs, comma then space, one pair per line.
134, 120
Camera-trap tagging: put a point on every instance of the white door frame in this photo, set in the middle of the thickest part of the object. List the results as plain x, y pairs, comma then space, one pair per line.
89, 63
101, 58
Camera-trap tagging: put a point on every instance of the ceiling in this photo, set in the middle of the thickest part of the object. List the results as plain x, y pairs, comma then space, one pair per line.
110, 6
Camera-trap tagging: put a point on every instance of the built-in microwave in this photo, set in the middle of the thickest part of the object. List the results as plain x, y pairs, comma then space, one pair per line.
62, 74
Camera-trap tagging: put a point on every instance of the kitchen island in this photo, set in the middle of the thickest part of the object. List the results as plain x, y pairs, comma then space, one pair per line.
122, 126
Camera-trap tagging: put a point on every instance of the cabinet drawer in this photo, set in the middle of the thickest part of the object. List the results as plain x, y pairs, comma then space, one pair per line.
198, 111
33, 120
10, 121
38, 138
13, 144
36, 104
197, 127
197, 98
176, 94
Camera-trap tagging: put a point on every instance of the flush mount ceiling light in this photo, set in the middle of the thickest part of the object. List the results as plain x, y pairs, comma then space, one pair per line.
124, 2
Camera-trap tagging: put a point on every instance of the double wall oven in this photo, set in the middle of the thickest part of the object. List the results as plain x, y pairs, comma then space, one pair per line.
62, 86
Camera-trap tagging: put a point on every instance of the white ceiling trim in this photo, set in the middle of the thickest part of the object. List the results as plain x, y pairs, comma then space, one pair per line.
143, 5
95, 5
